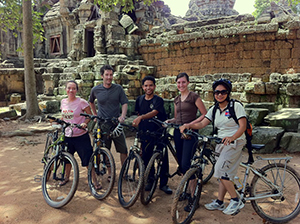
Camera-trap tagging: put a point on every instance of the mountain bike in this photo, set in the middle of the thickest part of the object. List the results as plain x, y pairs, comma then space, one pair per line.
131, 174
274, 191
163, 142
61, 174
101, 168
190, 187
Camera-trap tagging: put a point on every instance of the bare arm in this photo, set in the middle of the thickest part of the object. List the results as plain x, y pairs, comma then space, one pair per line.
87, 120
202, 109
148, 115
124, 112
93, 107
198, 125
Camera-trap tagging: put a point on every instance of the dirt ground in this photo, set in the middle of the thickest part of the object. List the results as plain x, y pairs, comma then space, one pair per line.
21, 199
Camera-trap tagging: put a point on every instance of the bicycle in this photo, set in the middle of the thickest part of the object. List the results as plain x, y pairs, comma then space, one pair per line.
162, 143
274, 191
189, 190
131, 174
101, 168
55, 192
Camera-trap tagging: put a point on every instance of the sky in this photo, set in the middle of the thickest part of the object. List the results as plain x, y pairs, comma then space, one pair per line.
180, 7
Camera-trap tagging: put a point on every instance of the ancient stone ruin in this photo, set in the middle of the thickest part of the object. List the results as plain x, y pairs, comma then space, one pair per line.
261, 57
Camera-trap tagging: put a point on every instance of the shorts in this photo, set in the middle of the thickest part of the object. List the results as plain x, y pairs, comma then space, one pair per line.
81, 145
119, 142
229, 160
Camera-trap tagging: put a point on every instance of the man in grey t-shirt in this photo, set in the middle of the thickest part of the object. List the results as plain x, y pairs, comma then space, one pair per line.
109, 98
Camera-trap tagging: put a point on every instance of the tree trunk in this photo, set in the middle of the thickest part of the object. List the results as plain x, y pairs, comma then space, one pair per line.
32, 107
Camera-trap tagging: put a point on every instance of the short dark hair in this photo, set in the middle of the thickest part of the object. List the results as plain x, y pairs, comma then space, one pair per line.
72, 81
151, 78
105, 67
182, 74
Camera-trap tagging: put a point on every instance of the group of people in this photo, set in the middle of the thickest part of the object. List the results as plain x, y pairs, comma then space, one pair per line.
110, 96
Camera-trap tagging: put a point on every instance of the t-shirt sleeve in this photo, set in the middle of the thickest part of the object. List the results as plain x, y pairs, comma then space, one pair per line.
84, 104
137, 105
239, 111
123, 97
208, 115
159, 104
92, 97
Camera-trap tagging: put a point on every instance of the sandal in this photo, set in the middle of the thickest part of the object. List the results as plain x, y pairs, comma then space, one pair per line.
64, 182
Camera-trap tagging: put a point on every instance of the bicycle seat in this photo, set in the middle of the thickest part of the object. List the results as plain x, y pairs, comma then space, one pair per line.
258, 146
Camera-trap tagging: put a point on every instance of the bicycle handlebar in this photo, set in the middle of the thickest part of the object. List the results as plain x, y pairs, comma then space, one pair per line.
92, 117
164, 124
203, 137
59, 121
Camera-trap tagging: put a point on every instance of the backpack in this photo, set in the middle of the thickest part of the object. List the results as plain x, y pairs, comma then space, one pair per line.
161, 116
248, 131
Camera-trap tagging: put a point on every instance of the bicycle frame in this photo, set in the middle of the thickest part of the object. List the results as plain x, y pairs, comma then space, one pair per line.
257, 172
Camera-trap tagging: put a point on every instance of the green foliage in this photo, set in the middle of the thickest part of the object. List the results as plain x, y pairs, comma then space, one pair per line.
261, 5
107, 5
11, 17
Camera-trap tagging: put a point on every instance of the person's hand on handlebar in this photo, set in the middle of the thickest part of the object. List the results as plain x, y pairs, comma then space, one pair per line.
183, 127
136, 121
170, 121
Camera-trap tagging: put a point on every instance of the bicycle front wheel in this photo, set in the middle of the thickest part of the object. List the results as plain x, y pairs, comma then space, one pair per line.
187, 196
130, 180
209, 166
60, 180
151, 177
101, 173
279, 209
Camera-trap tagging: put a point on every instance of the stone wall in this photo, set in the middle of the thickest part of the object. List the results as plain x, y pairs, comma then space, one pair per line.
234, 44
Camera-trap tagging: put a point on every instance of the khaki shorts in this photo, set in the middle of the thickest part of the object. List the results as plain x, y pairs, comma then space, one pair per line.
230, 157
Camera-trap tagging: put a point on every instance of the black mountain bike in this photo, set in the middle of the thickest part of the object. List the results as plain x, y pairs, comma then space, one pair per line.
101, 169
162, 143
131, 174
189, 189
61, 174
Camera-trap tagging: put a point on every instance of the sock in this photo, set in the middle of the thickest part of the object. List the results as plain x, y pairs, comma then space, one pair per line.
235, 199
219, 202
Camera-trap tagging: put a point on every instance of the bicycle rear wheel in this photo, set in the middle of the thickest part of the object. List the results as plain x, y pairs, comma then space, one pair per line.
153, 168
101, 173
209, 167
130, 180
55, 193
282, 208
184, 203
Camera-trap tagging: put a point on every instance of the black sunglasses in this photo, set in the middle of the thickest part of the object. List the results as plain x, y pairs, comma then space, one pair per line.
223, 92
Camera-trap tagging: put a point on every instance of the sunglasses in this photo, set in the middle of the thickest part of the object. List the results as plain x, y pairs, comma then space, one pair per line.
222, 92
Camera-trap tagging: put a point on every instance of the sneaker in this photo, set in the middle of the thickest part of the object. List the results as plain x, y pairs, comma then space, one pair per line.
166, 189
233, 207
189, 206
214, 206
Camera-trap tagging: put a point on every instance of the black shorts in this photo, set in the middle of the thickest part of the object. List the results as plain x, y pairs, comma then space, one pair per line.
81, 145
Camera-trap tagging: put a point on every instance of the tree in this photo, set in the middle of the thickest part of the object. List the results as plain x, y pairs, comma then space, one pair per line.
32, 107
128, 5
261, 5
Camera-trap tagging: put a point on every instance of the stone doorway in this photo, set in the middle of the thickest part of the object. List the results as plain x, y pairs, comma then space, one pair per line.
89, 43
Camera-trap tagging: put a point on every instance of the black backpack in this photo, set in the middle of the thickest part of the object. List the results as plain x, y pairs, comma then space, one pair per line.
249, 128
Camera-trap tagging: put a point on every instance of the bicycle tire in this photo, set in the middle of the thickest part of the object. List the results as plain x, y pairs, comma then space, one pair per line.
48, 152
130, 180
277, 209
100, 162
154, 163
57, 195
179, 215
209, 167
